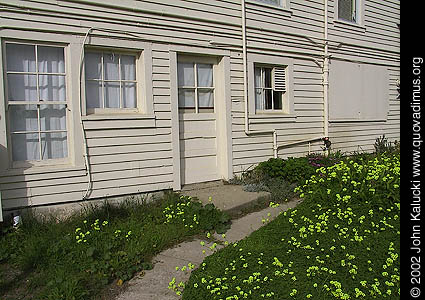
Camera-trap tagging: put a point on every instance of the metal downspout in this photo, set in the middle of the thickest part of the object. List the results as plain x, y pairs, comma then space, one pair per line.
245, 86
326, 75
85, 148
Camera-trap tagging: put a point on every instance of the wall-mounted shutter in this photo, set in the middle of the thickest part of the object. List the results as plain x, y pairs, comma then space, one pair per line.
279, 79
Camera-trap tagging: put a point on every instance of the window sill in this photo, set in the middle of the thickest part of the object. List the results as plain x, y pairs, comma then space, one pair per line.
276, 7
118, 121
349, 25
260, 117
117, 116
42, 169
356, 120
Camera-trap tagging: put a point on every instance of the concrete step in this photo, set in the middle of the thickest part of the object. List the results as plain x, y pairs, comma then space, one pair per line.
226, 197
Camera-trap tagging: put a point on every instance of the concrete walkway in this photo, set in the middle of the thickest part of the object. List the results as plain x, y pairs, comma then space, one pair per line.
153, 284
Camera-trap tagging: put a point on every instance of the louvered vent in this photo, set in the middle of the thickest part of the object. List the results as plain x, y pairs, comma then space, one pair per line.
345, 10
279, 81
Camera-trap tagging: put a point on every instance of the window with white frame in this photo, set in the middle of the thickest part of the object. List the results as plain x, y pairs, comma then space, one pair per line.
270, 87
348, 10
111, 81
36, 101
195, 86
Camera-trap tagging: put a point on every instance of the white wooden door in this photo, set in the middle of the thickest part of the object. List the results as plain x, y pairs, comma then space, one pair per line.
197, 119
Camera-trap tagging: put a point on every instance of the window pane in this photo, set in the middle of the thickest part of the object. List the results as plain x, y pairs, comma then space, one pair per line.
259, 99
273, 2
186, 97
277, 100
206, 98
205, 75
22, 87
345, 10
110, 65
50, 59
112, 95
23, 118
186, 75
93, 67
268, 99
25, 147
20, 58
257, 77
52, 117
267, 77
128, 67
52, 87
94, 94
54, 145
129, 95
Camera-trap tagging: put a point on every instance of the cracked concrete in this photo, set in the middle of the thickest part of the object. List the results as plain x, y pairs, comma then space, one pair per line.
153, 284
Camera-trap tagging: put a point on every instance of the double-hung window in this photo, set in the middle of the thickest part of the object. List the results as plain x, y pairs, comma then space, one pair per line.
111, 82
195, 86
36, 101
348, 10
270, 87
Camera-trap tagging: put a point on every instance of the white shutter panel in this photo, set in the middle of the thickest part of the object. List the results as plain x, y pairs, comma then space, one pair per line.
279, 79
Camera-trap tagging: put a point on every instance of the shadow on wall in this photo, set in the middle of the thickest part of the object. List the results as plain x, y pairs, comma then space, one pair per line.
13, 191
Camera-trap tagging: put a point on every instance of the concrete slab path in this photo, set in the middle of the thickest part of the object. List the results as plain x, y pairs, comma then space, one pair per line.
153, 284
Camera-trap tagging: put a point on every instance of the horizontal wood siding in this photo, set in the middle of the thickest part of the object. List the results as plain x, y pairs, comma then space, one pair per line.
130, 156
279, 32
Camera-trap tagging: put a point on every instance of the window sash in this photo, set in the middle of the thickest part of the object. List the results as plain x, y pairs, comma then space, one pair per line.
43, 145
351, 10
120, 81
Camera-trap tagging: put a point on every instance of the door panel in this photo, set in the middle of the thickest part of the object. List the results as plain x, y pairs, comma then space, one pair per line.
198, 147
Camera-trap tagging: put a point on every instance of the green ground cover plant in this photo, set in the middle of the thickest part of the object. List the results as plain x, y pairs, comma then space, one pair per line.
280, 176
341, 242
76, 258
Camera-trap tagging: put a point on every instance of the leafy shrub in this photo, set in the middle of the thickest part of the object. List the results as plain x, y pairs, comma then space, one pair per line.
273, 168
293, 170
382, 145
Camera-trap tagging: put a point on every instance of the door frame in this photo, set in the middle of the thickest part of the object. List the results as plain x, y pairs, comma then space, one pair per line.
222, 110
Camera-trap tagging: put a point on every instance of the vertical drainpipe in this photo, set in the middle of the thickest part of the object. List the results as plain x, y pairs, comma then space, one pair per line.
85, 148
245, 67
245, 86
326, 75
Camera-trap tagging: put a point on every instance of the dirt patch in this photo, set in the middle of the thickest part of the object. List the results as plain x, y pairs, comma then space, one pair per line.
14, 284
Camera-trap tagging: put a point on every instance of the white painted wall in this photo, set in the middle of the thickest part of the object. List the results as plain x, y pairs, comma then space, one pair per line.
140, 153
